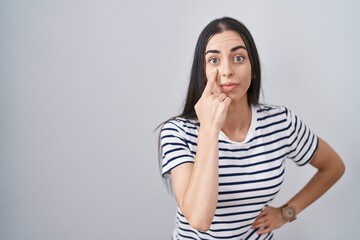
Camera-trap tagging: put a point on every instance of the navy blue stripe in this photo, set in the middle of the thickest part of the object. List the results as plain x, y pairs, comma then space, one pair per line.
272, 115
230, 229
255, 155
173, 136
177, 157
271, 133
173, 150
187, 237
178, 128
192, 127
313, 153
248, 198
271, 124
307, 151
249, 173
191, 231
169, 129
192, 135
259, 237
236, 213
269, 236
264, 109
250, 190
169, 170
264, 204
294, 149
234, 221
304, 130
240, 149
304, 143
220, 230
253, 164
210, 235
252, 233
253, 181
277, 131
174, 144
187, 141
219, 222
187, 121
226, 142
241, 205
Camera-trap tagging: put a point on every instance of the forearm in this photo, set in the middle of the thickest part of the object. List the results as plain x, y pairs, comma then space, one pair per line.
330, 169
315, 188
200, 197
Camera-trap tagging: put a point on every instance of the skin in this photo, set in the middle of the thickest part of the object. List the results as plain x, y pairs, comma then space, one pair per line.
227, 54
223, 107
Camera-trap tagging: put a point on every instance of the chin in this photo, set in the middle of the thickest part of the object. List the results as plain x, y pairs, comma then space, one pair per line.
238, 99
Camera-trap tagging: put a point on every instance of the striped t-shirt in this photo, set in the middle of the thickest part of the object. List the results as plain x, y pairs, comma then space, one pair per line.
250, 172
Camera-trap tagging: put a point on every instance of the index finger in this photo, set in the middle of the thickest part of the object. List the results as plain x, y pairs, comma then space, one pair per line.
210, 83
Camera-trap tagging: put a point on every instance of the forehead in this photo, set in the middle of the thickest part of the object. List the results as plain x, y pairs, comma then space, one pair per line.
226, 39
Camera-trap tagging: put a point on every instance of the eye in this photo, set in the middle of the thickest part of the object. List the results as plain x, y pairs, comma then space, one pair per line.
238, 58
214, 60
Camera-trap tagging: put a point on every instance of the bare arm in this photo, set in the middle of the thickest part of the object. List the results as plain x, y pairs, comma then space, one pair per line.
196, 184
330, 169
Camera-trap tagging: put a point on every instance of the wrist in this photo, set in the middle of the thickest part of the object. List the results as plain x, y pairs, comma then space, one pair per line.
288, 212
209, 132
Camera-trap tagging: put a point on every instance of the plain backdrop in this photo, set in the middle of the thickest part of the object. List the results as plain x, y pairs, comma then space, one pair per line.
83, 85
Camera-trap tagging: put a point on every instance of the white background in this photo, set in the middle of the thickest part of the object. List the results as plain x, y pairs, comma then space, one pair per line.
83, 84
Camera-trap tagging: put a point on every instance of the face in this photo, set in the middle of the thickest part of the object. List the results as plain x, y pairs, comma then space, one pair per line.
227, 53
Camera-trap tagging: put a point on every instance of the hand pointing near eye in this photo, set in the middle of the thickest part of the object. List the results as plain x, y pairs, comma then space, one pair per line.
211, 109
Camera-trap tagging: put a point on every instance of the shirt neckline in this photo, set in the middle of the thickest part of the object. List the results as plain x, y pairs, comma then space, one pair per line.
249, 134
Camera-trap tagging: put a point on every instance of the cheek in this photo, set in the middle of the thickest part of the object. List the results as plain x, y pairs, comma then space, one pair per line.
216, 89
208, 73
248, 72
244, 73
208, 70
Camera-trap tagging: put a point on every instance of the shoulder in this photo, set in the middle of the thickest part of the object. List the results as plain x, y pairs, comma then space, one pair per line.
180, 126
265, 111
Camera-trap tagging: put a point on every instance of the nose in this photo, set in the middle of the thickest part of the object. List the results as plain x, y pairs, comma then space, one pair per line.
226, 70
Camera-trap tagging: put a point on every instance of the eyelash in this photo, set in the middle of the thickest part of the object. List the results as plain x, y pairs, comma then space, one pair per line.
217, 60
213, 58
239, 56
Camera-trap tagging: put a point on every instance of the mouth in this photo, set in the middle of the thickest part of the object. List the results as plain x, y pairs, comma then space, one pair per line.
228, 87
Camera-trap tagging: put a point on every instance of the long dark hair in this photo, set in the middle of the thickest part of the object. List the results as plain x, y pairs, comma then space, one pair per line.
198, 76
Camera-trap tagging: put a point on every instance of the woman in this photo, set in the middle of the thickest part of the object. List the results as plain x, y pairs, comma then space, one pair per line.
226, 152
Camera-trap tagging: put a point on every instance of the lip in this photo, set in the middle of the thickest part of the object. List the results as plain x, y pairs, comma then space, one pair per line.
228, 87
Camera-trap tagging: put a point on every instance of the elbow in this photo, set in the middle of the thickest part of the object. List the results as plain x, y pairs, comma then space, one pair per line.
341, 169
200, 225
199, 217
338, 170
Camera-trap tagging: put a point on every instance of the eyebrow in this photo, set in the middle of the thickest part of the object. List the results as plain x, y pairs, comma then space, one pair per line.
231, 50
237, 47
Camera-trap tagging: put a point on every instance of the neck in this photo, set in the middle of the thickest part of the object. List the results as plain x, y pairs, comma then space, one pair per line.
237, 121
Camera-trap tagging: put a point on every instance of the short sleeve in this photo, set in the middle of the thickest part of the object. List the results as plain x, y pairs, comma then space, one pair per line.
174, 147
303, 142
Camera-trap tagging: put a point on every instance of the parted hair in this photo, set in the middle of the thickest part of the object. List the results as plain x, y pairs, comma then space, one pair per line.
197, 76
